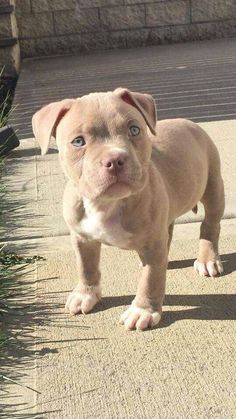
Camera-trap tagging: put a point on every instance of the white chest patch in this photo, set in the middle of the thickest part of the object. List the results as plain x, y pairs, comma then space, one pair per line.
103, 225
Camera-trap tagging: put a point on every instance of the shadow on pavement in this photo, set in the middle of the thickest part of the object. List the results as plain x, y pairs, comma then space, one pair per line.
228, 260
204, 307
26, 317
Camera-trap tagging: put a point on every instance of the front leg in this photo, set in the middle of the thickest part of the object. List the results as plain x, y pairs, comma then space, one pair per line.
146, 309
88, 292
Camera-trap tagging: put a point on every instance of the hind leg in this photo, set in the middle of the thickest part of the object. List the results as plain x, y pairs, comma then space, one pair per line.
208, 261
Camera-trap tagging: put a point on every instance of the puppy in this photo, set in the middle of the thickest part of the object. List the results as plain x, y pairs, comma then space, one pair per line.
129, 178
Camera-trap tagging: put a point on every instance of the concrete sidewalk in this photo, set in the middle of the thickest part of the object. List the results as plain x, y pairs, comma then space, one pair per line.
88, 366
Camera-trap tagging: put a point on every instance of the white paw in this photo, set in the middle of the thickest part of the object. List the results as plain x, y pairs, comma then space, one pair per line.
208, 269
83, 300
139, 318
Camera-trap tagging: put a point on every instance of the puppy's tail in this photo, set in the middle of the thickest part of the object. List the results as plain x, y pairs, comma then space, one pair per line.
195, 209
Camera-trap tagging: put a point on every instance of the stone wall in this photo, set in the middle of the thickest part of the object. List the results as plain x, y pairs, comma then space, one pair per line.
9, 46
68, 26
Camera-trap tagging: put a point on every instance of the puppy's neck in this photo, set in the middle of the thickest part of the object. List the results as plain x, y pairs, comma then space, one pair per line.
102, 222
106, 208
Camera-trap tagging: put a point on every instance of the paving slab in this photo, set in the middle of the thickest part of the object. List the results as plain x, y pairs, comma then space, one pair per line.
89, 366
93, 368
192, 80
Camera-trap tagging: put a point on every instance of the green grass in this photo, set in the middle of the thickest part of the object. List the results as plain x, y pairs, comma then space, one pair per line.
5, 272
14, 323
6, 96
11, 264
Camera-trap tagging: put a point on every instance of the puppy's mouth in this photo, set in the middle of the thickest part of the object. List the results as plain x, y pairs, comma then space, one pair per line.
117, 186
112, 186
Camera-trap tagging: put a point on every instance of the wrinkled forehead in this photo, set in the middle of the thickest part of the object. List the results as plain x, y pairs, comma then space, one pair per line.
100, 113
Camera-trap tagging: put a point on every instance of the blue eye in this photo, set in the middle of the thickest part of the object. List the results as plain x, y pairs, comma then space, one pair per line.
78, 141
134, 130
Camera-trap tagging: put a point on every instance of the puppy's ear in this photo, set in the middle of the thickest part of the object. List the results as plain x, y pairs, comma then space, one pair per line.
45, 121
143, 102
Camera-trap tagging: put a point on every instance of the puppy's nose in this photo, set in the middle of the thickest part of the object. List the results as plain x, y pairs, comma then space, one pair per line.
114, 162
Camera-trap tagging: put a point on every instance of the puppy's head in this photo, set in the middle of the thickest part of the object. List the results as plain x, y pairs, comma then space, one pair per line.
103, 140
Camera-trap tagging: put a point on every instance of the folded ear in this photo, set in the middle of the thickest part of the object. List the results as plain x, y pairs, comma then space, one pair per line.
45, 121
143, 102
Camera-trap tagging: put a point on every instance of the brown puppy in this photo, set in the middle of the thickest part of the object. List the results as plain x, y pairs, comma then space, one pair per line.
129, 178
